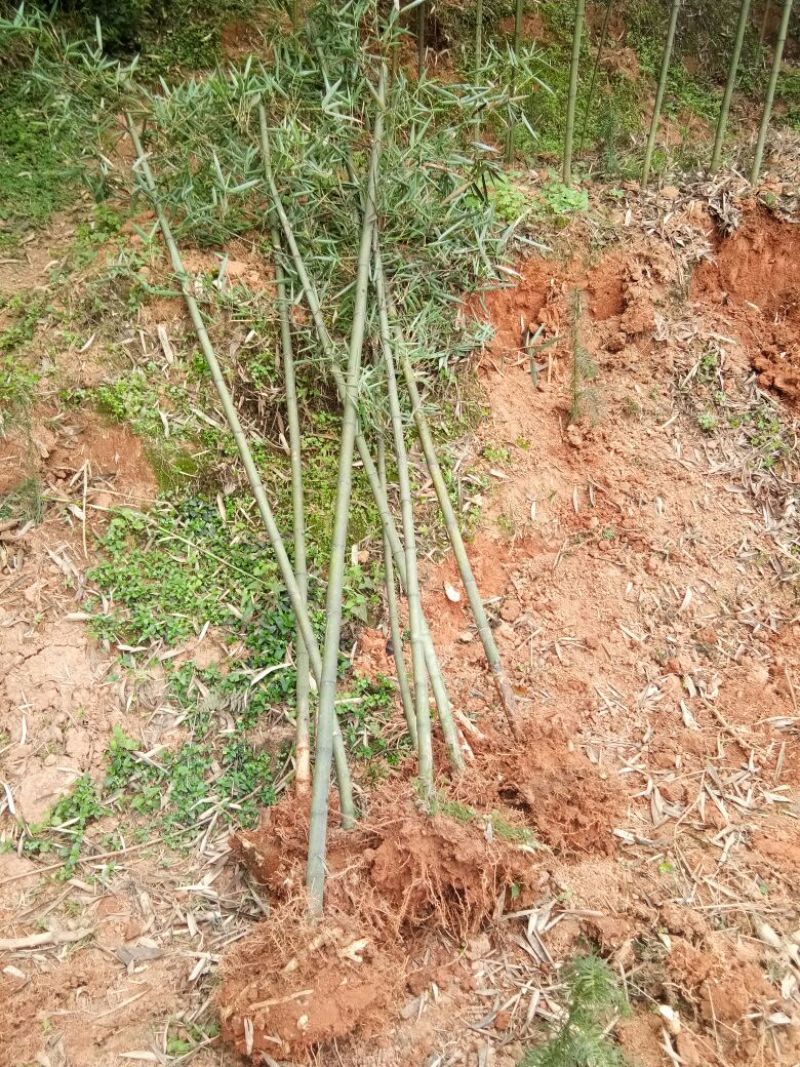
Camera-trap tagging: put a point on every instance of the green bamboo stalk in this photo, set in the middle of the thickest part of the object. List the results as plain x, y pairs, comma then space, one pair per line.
425, 745
326, 715
598, 56
422, 30
730, 85
302, 776
662, 88
765, 22
773, 82
490, 649
518, 13
438, 686
478, 34
395, 629
573, 90
253, 477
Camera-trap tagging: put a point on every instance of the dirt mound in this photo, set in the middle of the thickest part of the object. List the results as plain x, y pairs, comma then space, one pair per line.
753, 281
555, 790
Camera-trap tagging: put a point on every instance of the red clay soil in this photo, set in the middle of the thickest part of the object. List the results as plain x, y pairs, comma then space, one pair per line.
753, 281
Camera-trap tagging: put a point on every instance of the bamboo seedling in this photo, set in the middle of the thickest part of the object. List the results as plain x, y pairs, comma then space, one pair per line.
771, 87
393, 611
730, 85
573, 90
455, 537
326, 713
421, 707
596, 67
302, 687
662, 88
438, 686
254, 479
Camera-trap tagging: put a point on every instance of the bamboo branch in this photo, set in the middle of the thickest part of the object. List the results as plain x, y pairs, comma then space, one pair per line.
302, 689
662, 88
573, 91
773, 83
504, 689
730, 85
394, 615
253, 477
387, 519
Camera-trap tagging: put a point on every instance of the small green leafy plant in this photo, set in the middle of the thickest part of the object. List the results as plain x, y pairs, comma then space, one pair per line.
583, 1041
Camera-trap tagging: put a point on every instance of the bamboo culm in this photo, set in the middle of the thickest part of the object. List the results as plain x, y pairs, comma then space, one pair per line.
326, 714
387, 519
421, 706
573, 90
773, 82
662, 88
478, 34
422, 30
730, 85
518, 13
392, 609
253, 477
593, 80
491, 652
302, 689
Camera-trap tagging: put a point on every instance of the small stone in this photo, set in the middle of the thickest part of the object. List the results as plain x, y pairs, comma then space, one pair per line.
511, 610
670, 192
592, 642
502, 1020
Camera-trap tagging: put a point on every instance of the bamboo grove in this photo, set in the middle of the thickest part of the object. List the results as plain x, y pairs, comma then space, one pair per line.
357, 93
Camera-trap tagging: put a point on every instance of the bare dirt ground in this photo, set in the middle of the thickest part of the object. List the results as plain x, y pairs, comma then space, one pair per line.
642, 568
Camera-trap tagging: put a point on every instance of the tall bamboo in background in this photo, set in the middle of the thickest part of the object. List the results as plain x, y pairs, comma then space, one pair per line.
765, 22
592, 81
453, 530
395, 630
421, 706
326, 714
387, 519
730, 85
422, 33
773, 82
246, 455
518, 13
302, 688
573, 90
662, 88
478, 34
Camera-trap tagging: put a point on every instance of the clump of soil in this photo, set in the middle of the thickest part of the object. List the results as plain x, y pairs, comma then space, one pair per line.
753, 281
402, 874
290, 986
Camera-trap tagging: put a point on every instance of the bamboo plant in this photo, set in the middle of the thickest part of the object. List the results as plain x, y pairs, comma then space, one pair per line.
662, 88
595, 68
326, 714
512, 126
256, 485
387, 519
422, 33
421, 707
771, 87
730, 85
302, 688
573, 90
392, 610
